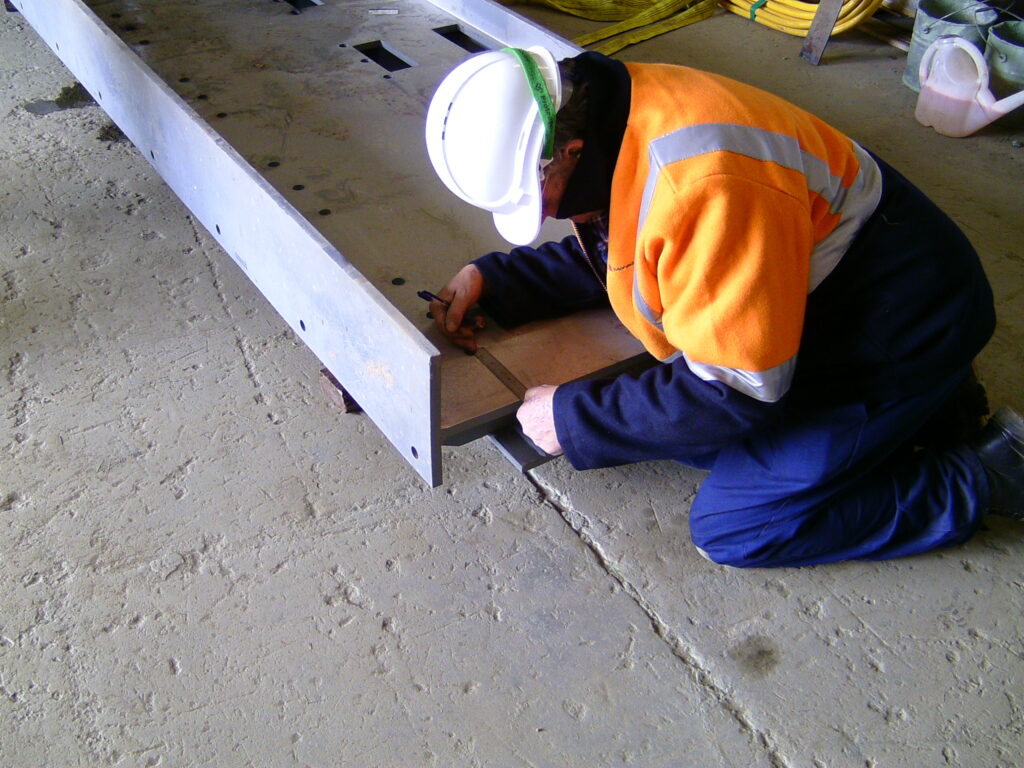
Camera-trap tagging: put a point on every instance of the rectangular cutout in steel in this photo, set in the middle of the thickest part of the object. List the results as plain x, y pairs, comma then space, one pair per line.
453, 33
385, 55
301, 5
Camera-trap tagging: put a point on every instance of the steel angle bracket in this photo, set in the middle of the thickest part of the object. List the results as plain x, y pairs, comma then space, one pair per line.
382, 359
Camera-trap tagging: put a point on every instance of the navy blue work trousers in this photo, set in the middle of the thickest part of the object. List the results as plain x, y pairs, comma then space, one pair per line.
888, 337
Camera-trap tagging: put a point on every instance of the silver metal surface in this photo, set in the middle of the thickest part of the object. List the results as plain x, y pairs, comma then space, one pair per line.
821, 30
517, 448
382, 359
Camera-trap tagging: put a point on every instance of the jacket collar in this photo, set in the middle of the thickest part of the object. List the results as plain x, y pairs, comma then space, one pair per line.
609, 89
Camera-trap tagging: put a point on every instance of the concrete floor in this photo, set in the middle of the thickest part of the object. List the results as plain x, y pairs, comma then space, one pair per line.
204, 565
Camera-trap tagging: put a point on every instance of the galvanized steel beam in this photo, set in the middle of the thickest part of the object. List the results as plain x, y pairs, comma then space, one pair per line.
315, 181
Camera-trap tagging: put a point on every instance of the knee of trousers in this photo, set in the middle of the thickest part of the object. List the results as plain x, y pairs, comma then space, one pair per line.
720, 535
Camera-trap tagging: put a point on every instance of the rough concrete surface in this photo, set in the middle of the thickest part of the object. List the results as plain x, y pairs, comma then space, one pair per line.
204, 565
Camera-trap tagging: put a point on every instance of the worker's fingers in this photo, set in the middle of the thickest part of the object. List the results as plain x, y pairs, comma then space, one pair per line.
469, 322
537, 418
458, 321
462, 292
465, 335
457, 313
439, 312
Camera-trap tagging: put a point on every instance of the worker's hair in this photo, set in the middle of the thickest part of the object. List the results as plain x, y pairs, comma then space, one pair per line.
571, 120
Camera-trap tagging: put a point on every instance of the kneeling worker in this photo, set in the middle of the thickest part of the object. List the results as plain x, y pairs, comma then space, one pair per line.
815, 315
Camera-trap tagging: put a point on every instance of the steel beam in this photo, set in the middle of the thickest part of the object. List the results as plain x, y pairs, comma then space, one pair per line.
384, 361
315, 180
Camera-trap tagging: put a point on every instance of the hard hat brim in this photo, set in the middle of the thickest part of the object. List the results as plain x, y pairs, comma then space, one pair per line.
520, 223
516, 204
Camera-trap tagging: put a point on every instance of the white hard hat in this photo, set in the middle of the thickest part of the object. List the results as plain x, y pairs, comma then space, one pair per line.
488, 125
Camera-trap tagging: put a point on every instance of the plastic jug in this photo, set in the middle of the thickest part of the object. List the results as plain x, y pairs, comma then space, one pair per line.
955, 98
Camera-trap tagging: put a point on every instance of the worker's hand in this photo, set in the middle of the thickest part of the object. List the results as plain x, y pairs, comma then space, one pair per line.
537, 418
456, 321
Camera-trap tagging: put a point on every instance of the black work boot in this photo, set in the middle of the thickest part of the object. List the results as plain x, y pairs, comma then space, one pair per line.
1000, 446
958, 419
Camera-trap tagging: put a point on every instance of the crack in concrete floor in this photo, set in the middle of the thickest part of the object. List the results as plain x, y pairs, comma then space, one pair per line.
699, 672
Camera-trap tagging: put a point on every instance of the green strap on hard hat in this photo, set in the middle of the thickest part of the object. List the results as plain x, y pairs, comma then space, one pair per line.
541, 94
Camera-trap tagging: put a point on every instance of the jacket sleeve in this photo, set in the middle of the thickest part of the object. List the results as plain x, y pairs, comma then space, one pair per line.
534, 283
666, 412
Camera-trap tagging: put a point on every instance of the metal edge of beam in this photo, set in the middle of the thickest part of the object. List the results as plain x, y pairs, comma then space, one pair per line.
386, 364
506, 26
518, 448
820, 32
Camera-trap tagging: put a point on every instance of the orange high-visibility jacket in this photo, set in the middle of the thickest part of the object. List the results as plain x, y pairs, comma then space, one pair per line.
728, 207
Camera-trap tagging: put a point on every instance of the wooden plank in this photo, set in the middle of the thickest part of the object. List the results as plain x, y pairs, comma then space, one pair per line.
906, 8
474, 401
887, 33
549, 353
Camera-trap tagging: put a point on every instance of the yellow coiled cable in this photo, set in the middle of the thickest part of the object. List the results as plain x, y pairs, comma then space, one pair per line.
638, 19
794, 17
642, 19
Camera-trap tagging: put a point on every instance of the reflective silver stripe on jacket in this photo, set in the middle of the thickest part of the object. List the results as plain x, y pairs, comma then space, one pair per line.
767, 386
854, 204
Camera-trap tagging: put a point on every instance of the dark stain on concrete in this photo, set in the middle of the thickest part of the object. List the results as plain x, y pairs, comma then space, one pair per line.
70, 97
757, 655
111, 134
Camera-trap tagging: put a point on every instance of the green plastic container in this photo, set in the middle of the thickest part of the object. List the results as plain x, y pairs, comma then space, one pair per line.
968, 19
1004, 54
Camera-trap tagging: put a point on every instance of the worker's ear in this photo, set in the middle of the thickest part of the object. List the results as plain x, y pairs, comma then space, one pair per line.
572, 150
